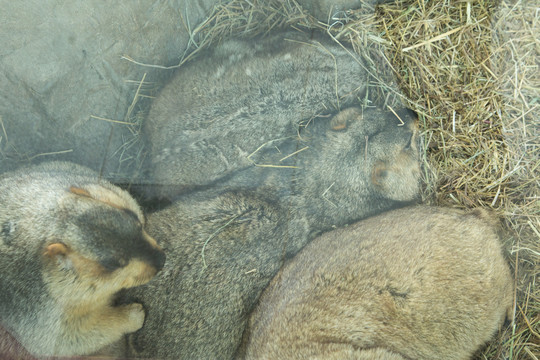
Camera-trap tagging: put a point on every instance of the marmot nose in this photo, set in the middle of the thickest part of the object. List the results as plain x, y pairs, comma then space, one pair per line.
151, 251
152, 254
159, 260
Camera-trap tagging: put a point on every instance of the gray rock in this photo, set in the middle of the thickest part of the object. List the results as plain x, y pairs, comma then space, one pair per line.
60, 64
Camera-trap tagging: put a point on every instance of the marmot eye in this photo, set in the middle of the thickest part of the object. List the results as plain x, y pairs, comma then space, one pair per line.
410, 143
131, 214
6, 232
112, 264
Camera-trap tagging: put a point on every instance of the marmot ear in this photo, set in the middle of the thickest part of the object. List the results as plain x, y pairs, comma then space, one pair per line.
79, 191
379, 174
342, 119
101, 195
56, 249
58, 254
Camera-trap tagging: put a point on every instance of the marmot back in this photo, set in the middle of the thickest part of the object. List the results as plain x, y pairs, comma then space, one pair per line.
68, 242
241, 94
221, 252
414, 283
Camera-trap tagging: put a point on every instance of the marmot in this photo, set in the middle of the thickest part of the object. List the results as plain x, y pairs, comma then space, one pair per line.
239, 95
414, 283
68, 242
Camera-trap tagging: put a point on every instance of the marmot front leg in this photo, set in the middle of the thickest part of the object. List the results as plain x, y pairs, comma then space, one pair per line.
90, 333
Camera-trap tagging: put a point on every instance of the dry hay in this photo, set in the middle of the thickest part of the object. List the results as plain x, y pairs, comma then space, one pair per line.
470, 70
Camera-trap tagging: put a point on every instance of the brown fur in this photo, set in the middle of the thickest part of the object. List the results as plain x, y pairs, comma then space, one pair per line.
341, 120
69, 243
415, 283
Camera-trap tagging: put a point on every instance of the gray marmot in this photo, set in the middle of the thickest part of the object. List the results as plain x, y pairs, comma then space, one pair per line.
239, 95
68, 242
223, 249
414, 283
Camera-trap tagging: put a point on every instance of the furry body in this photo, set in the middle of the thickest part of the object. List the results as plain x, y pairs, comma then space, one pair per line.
224, 246
414, 283
239, 96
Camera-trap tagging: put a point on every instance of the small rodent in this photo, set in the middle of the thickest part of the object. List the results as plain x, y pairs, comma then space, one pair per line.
69, 242
415, 283
239, 95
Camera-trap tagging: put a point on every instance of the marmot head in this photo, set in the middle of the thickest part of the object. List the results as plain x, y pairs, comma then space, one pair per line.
365, 161
87, 234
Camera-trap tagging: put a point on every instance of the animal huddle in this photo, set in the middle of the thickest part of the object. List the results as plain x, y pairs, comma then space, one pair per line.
269, 165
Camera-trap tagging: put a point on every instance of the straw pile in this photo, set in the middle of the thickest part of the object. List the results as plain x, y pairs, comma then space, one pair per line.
470, 70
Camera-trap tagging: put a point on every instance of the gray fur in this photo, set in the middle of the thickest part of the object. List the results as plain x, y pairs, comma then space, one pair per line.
239, 95
325, 10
